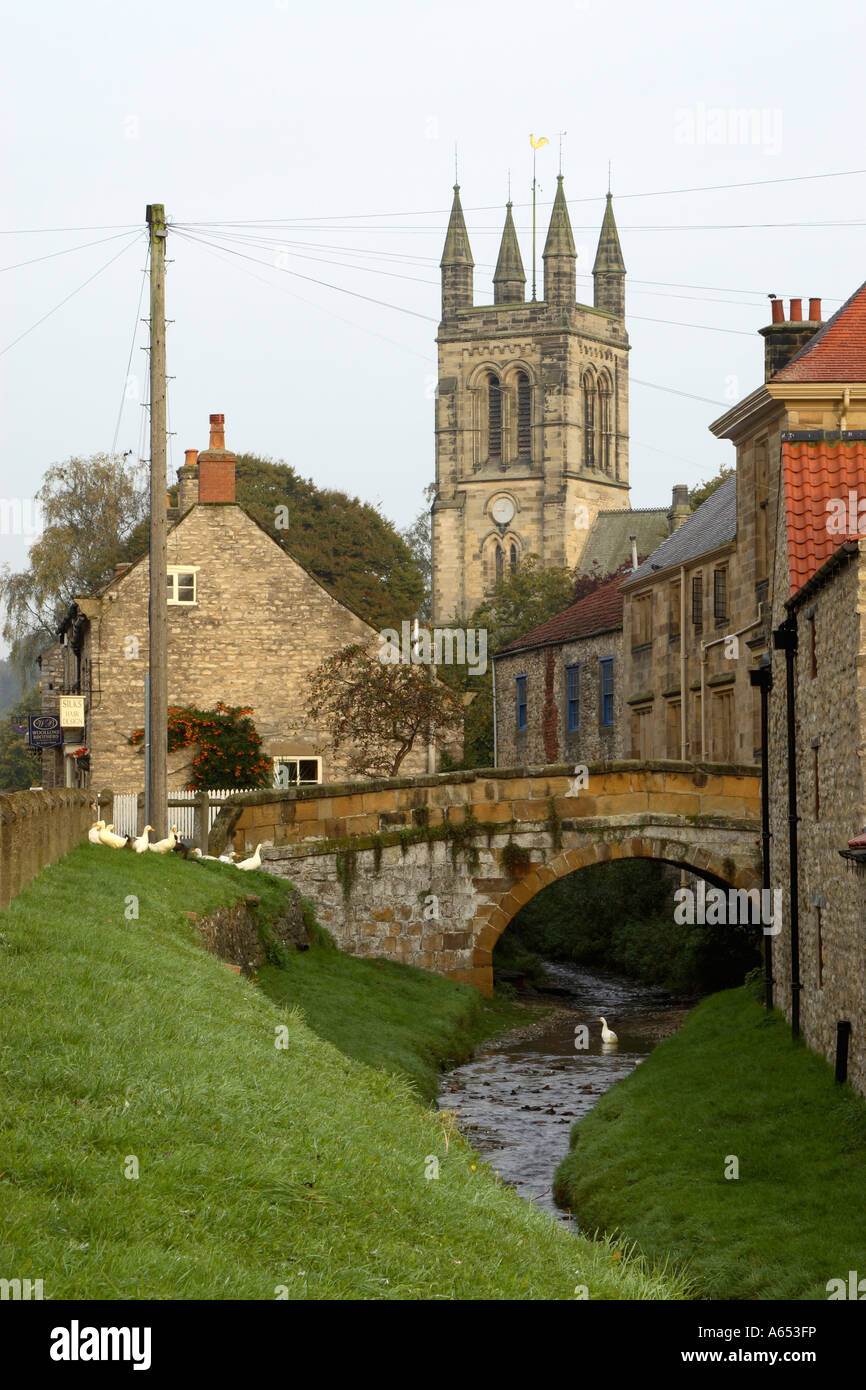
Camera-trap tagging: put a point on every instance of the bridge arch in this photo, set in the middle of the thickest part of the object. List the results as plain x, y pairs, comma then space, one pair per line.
431, 870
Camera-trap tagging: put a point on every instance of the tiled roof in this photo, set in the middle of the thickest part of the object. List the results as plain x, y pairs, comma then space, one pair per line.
713, 524
815, 474
608, 545
837, 352
598, 612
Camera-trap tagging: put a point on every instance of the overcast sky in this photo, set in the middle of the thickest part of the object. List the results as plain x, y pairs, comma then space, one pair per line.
328, 130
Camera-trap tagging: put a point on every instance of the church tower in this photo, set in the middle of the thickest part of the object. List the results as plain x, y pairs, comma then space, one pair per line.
531, 409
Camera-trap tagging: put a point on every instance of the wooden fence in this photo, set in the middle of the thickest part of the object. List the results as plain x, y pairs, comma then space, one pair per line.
36, 829
192, 812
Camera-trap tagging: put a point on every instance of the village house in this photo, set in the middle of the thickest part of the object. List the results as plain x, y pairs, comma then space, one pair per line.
801, 448
246, 626
559, 688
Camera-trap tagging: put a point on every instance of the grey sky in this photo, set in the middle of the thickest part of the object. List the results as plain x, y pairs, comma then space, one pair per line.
349, 112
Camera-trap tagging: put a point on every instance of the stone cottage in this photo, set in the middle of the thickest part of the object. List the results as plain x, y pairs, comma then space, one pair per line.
558, 688
246, 625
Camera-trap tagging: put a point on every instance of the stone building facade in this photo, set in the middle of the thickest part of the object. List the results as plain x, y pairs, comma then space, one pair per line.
559, 695
246, 626
531, 410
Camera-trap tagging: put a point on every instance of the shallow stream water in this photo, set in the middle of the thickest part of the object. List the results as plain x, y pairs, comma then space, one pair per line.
516, 1099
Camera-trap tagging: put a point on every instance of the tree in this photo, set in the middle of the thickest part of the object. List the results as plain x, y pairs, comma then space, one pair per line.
703, 490
89, 509
380, 709
419, 539
522, 599
350, 547
19, 767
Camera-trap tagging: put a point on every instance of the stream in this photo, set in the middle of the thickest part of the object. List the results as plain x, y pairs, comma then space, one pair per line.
515, 1100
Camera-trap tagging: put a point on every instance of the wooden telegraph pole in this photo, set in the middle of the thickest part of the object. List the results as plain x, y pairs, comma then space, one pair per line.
157, 773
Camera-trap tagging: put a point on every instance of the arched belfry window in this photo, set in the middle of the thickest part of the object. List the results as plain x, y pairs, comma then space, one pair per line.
589, 423
494, 417
604, 425
524, 417
500, 559
514, 556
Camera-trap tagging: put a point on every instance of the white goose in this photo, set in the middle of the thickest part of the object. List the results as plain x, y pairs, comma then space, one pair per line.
167, 845
254, 861
93, 832
108, 837
607, 1034
142, 843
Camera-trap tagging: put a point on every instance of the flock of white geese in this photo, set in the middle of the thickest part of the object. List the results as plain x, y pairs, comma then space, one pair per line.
102, 834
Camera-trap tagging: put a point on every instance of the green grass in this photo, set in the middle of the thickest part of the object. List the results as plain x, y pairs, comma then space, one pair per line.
649, 1160
259, 1168
388, 1015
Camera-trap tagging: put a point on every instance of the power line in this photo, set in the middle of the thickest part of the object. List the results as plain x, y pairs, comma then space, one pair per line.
131, 350
36, 231
672, 390
68, 252
71, 295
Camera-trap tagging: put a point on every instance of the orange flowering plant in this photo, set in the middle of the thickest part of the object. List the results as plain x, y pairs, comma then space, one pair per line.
227, 743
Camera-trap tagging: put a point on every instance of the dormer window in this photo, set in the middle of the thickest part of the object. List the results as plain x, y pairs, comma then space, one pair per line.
182, 585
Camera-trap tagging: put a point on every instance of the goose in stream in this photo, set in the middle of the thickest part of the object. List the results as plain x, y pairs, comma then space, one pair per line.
607, 1034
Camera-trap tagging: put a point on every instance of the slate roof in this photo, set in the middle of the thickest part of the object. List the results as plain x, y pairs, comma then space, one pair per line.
598, 612
713, 524
837, 352
608, 545
817, 472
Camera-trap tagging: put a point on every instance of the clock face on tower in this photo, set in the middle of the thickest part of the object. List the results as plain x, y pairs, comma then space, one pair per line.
502, 510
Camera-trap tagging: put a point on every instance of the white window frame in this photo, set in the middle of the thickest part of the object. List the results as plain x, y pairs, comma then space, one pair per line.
297, 758
173, 572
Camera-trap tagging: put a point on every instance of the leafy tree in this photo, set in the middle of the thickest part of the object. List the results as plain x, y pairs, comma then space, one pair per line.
419, 539
227, 743
90, 506
19, 767
347, 544
380, 709
703, 490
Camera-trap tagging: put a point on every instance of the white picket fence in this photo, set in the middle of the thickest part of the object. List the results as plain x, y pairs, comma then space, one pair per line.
125, 814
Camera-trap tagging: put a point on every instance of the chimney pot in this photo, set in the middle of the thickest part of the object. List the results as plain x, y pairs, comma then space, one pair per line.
815, 310
190, 458
796, 311
217, 432
778, 311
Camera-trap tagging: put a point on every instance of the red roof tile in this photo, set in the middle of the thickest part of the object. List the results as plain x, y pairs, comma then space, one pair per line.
822, 479
837, 352
598, 612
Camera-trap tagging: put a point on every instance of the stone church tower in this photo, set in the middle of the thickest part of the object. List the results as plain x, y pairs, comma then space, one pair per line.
531, 410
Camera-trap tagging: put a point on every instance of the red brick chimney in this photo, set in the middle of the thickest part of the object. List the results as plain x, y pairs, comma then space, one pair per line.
216, 466
784, 337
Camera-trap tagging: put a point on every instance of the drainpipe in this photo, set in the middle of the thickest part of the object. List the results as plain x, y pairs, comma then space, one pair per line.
762, 677
683, 665
785, 640
493, 678
705, 647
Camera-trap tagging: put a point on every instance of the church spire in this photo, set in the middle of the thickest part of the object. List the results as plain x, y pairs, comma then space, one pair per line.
608, 272
559, 253
457, 263
509, 278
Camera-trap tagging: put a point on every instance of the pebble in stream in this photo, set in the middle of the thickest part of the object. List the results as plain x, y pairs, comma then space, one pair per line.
515, 1099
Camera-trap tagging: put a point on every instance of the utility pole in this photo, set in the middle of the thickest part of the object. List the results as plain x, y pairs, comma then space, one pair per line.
157, 772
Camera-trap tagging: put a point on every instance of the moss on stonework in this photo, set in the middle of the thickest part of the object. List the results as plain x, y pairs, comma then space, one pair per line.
554, 824
347, 869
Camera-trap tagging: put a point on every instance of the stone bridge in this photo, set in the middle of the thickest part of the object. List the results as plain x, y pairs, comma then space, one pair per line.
431, 870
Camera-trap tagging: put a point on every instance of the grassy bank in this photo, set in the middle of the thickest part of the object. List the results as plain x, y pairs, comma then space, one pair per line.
156, 1143
407, 1021
650, 1159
